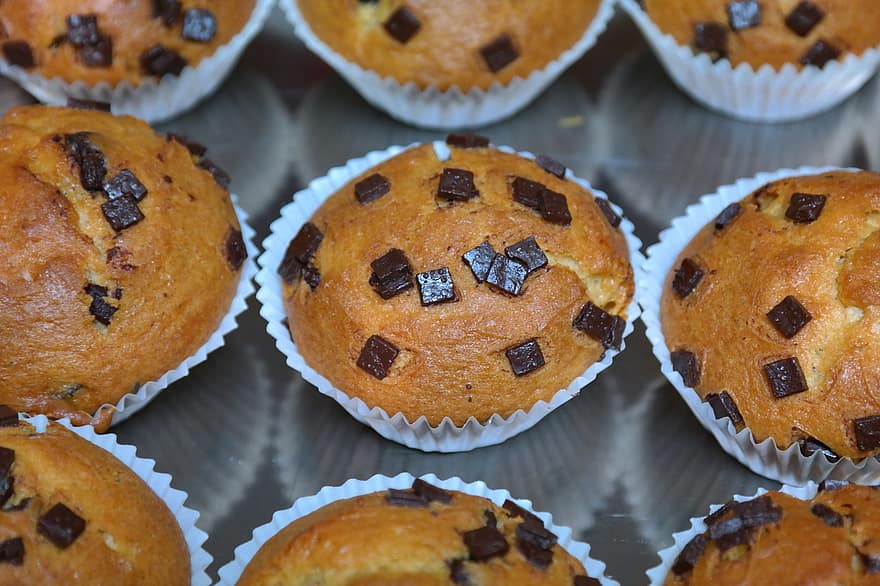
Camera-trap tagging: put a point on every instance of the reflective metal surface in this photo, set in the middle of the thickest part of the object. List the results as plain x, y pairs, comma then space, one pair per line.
624, 464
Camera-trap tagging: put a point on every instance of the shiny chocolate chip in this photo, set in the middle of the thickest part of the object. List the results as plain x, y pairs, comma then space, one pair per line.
527, 193
804, 18
744, 14
600, 325
805, 208
785, 377
820, 53
723, 406
727, 216
159, 60
789, 317
506, 275
685, 363
457, 185
402, 25
371, 188
392, 274
430, 492
436, 286
98, 54
82, 30
528, 253
234, 248
499, 53
89, 158
711, 37
377, 356
122, 213
554, 208
810, 445
300, 252
125, 183
605, 207
687, 277
485, 543
61, 526
479, 259
867, 431
550, 165
525, 358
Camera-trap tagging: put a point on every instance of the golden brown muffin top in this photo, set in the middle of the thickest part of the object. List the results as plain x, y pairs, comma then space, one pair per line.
773, 32
462, 43
776, 305
420, 536
95, 41
121, 254
393, 299
778, 539
71, 512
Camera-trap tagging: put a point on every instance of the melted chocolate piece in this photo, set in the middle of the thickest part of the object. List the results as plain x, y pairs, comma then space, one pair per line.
867, 432
12, 551
236, 252
828, 515
540, 558
402, 25
804, 18
605, 207
480, 259
312, 277
125, 183
99, 54
491, 519
405, 498
554, 208
8, 416
499, 53
586, 581
467, 141
195, 149
525, 358
744, 14
19, 53
457, 185
600, 325
300, 252
805, 208
723, 406
687, 277
870, 564
371, 188
392, 274
436, 286
785, 377
727, 216
685, 363
507, 275
220, 176
93, 290
789, 316
61, 526
430, 492
159, 60
820, 53
690, 555
457, 573
550, 165
167, 11
830, 485
377, 356
88, 105
528, 253
517, 511
82, 30
528, 193
122, 212
711, 37
536, 534
747, 516
101, 310
485, 543
199, 25
811, 445
89, 158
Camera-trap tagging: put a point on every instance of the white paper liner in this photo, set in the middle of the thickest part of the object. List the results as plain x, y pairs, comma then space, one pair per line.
788, 466
131, 403
159, 482
231, 572
419, 434
658, 573
151, 100
765, 95
453, 108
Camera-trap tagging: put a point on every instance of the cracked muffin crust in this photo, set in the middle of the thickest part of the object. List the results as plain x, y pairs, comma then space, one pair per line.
70, 512
771, 313
121, 255
95, 41
457, 288
425, 536
461, 43
775, 538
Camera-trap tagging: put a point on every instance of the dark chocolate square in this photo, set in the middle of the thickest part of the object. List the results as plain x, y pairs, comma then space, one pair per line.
536, 534
554, 208
600, 325
540, 558
405, 498
744, 14
430, 492
89, 158
19, 53
305, 244
377, 356
234, 247
525, 358
220, 176
527, 192
804, 18
785, 377
485, 543
687, 277
820, 53
550, 165
8, 416
101, 310
82, 30
88, 105
723, 406
458, 574
517, 511
828, 515
199, 25
805, 208
711, 37
402, 25
98, 54
467, 141
690, 555
12, 551
758, 511
528, 253
789, 317
727, 216
499, 53
480, 259
457, 185
436, 286
61, 526
371, 188
392, 274
810, 445
125, 183
605, 207
507, 275
122, 212
867, 432
685, 363
166, 10
159, 60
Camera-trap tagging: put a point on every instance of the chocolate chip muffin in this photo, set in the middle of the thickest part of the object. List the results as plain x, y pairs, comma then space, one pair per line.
772, 32
458, 288
121, 254
70, 512
771, 313
775, 538
94, 41
456, 43
423, 535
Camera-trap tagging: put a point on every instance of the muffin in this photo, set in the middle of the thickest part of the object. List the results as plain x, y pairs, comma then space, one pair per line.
775, 538
772, 32
122, 253
423, 535
71, 512
769, 313
457, 287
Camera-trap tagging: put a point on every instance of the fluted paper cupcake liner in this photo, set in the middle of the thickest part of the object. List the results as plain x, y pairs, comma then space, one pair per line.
765, 95
455, 107
159, 483
657, 574
131, 403
231, 572
419, 434
788, 465
151, 100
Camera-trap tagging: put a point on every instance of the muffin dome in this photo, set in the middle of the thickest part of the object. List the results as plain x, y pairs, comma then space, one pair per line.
772, 32
771, 313
435, 287
461, 43
95, 41
121, 252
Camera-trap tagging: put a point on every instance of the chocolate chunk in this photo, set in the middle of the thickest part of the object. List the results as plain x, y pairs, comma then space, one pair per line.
82, 30
552, 166
125, 183
371, 188
467, 141
485, 543
536, 534
711, 37
517, 511
102, 311
804, 18
831, 485
586, 581
805, 208
159, 60
528, 193
525, 357
744, 14
122, 212
600, 325
89, 158
12, 551
723, 406
720, 512
687, 277
480, 259
220, 176
19, 53
871, 564
199, 25
554, 208
747, 516
491, 519
685, 363
867, 432
236, 252
194, 148
405, 498
7, 459
8, 416
758, 511
690, 555
741, 536
828, 515
540, 558
727, 216
392, 274
98, 54
785, 377
507, 275
811, 445
528, 253
88, 105
300, 252
402, 25
457, 573
605, 207
436, 286
457, 185
166, 10
499, 53
820, 53
789, 316
430, 492
312, 277
377, 356
61, 526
